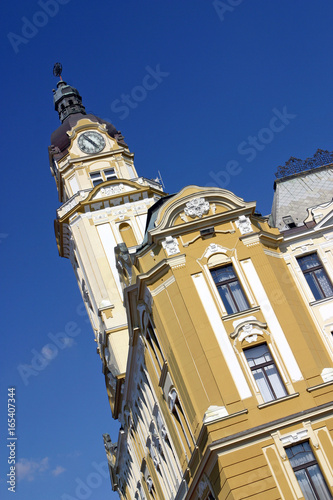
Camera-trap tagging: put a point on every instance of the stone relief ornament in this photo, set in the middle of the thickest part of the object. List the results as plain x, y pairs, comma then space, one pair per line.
244, 224
171, 245
196, 208
112, 189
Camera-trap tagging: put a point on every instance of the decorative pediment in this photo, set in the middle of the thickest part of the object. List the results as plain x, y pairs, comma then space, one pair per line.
249, 330
193, 204
111, 190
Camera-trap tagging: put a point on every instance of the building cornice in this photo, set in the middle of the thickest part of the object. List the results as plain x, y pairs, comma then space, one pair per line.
242, 438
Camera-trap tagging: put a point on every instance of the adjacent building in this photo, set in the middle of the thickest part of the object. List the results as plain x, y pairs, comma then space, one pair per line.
213, 323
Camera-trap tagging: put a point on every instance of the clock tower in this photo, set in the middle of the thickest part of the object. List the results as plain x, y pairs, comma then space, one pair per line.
104, 206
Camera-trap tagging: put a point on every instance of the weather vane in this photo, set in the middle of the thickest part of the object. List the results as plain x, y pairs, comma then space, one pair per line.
57, 70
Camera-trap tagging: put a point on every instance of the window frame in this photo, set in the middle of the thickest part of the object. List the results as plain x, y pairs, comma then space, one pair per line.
305, 466
312, 272
103, 177
227, 283
267, 379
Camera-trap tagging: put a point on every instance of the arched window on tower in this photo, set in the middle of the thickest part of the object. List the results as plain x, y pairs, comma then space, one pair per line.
127, 234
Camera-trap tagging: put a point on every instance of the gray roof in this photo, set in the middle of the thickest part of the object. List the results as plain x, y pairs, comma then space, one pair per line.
296, 193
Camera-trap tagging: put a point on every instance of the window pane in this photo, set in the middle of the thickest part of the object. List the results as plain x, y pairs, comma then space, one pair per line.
318, 482
308, 473
315, 289
305, 485
238, 295
227, 299
97, 181
258, 355
300, 454
275, 381
95, 175
263, 386
308, 261
110, 174
222, 274
324, 282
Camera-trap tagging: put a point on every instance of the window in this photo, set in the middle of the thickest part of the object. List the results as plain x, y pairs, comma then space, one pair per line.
155, 346
265, 372
104, 175
127, 234
229, 289
110, 174
96, 178
307, 472
316, 276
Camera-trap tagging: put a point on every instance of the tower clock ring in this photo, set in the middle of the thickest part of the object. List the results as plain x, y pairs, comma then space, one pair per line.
91, 142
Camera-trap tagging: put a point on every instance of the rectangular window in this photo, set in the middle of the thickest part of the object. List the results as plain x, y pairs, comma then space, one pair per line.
316, 276
229, 289
96, 178
265, 372
308, 473
110, 174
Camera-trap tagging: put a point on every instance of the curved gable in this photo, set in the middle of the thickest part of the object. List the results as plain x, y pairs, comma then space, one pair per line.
193, 203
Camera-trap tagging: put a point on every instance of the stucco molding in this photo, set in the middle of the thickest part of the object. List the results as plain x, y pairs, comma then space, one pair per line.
248, 328
196, 208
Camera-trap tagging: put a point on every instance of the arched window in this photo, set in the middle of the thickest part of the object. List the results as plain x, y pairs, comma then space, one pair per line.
127, 234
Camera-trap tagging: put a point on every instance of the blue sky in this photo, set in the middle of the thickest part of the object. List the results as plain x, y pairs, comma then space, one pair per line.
207, 93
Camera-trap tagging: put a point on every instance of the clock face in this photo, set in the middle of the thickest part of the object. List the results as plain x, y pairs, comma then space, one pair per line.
91, 142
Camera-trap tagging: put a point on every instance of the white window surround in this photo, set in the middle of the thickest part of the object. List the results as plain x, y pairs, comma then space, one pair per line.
274, 363
272, 321
241, 278
304, 433
299, 275
221, 334
258, 333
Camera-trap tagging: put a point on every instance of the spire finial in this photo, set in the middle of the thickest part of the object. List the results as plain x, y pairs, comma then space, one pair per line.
57, 70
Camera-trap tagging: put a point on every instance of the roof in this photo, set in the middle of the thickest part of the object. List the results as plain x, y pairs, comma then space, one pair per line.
296, 193
61, 140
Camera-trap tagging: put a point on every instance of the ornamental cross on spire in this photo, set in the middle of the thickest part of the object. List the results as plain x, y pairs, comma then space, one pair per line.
57, 69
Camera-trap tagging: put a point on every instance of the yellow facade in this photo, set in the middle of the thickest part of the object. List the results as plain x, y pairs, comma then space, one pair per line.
230, 442
217, 358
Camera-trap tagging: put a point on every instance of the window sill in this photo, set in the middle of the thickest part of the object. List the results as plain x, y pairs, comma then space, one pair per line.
321, 301
241, 313
319, 386
275, 401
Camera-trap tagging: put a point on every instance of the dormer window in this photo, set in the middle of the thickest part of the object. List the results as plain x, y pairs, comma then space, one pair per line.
289, 221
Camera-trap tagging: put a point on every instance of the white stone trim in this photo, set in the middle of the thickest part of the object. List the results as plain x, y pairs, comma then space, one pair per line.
214, 413
162, 286
108, 241
272, 321
221, 335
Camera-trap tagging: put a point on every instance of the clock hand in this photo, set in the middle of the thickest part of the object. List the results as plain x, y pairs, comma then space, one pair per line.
91, 142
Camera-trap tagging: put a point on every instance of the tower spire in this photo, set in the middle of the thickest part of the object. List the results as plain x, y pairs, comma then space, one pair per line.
67, 100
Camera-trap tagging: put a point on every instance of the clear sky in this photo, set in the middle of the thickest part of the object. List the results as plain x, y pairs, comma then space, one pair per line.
207, 93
